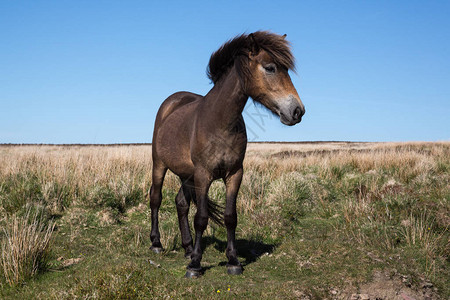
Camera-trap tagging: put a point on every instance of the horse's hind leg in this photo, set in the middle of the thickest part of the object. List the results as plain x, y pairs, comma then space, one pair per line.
159, 171
183, 199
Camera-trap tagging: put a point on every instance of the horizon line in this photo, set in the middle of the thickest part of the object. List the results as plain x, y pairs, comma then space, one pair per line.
250, 142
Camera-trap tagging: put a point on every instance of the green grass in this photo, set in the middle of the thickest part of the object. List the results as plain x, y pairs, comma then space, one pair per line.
304, 229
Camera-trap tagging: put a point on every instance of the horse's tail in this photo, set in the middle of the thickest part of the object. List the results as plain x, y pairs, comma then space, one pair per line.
215, 212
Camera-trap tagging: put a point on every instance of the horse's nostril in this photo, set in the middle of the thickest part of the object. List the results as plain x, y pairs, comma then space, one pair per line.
297, 113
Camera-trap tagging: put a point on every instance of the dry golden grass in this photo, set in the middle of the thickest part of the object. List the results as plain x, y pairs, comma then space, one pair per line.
83, 173
364, 156
89, 165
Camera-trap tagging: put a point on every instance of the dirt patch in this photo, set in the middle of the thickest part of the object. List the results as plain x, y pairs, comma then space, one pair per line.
387, 287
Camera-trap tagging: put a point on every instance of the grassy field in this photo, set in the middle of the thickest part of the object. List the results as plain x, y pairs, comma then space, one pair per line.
316, 221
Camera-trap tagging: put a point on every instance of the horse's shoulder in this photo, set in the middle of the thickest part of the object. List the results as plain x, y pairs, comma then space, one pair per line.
175, 101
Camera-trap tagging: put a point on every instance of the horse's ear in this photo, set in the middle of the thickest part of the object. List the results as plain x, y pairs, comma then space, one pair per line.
284, 36
254, 47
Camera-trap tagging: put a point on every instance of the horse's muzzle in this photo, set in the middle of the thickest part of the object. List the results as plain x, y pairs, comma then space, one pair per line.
292, 112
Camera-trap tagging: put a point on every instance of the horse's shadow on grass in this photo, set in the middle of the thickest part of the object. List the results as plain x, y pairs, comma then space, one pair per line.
250, 250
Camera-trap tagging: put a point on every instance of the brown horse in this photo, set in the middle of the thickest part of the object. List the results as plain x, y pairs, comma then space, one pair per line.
203, 138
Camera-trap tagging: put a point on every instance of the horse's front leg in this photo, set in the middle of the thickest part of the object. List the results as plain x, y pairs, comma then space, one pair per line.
202, 180
233, 182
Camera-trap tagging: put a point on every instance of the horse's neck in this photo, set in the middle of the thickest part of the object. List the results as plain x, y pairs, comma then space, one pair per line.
226, 100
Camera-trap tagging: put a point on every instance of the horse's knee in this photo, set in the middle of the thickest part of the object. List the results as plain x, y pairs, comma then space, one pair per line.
230, 220
201, 220
155, 203
181, 203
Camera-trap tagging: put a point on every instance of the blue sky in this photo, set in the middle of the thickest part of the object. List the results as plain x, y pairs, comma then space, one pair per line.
97, 71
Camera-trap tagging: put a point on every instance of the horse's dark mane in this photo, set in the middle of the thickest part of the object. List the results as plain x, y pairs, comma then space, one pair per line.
240, 47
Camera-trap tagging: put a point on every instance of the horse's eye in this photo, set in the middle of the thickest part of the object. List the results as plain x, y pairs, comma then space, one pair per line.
270, 68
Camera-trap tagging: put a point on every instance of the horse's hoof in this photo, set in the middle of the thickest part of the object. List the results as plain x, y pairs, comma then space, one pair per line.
157, 250
190, 273
234, 270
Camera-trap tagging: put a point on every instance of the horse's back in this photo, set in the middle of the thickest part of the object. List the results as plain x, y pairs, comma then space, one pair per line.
173, 102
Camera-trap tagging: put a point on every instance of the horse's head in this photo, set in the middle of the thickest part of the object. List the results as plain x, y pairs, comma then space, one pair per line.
267, 79
262, 60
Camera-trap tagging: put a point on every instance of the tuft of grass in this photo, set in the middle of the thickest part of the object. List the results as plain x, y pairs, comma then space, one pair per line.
25, 246
418, 231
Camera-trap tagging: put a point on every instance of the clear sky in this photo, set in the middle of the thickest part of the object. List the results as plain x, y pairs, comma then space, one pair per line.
97, 71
